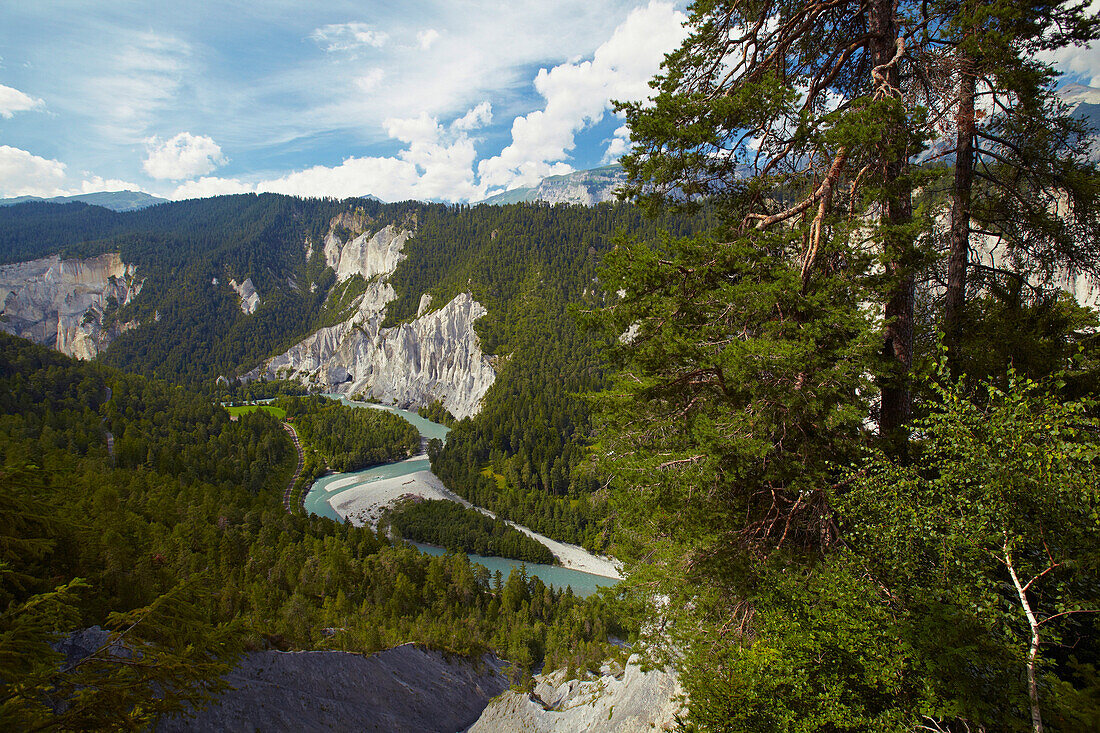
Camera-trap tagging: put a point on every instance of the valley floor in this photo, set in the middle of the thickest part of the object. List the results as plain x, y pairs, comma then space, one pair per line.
364, 504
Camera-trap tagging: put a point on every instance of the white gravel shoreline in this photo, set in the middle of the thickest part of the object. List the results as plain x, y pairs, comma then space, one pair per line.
363, 505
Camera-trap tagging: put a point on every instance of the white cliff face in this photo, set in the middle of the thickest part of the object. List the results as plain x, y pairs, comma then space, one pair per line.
632, 701
367, 254
61, 303
246, 291
436, 356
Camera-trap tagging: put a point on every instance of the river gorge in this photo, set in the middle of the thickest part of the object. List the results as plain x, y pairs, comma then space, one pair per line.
361, 496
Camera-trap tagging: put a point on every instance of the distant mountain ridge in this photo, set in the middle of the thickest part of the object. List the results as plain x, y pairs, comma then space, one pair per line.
588, 187
1084, 105
114, 200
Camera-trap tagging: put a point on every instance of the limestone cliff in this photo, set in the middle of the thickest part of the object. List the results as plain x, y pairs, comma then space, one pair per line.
436, 356
62, 303
368, 254
246, 291
631, 701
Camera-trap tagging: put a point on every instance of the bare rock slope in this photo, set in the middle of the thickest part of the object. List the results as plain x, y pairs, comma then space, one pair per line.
407, 688
436, 356
61, 303
631, 701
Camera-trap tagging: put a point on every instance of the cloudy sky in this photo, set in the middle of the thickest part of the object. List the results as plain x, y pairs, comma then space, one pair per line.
431, 99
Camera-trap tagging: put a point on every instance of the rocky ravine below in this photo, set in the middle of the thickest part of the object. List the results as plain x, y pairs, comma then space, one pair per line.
629, 701
407, 688
436, 356
61, 303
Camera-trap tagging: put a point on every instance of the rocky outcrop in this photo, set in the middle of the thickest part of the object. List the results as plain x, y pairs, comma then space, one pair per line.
631, 701
246, 291
367, 254
588, 187
407, 688
62, 303
436, 356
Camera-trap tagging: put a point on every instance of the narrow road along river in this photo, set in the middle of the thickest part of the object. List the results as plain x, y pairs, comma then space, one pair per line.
361, 495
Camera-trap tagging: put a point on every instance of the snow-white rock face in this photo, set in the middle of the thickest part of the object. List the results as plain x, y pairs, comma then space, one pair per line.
61, 303
246, 291
367, 254
631, 701
436, 356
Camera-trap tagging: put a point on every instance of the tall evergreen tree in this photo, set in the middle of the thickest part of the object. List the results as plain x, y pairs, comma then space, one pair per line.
743, 362
1022, 178
792, 114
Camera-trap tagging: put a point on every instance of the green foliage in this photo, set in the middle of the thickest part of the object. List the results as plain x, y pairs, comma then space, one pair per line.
527, 264
450, 525
350, 439
437, 413
825, 654
238, 410
1005, 490
736, 390
203, 564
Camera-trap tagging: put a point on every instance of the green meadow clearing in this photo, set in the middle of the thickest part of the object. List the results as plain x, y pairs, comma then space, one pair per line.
242, 409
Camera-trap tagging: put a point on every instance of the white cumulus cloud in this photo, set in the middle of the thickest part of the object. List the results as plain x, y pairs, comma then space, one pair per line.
211, 186
579, 94
426, 38
437, 162
25, 174
12, 101
344, 37
478, 117
617, 145
182, 156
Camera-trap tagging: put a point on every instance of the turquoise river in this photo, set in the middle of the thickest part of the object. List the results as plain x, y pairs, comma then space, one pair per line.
327, 487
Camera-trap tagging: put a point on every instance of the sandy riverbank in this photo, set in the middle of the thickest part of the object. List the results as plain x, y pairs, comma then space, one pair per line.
364, 504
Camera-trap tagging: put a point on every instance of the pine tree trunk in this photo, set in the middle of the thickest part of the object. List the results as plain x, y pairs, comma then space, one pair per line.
959, 244
896, 396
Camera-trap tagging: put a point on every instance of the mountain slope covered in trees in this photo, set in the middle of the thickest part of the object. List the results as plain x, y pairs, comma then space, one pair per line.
178, 537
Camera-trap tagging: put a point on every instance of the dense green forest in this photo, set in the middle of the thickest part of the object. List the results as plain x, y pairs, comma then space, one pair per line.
350, 439
447, 524
853, 438
180, 539
193, 329
437, 413
522, 456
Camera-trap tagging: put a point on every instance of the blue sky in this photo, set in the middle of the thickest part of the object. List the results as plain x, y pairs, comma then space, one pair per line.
433, 99
446, 100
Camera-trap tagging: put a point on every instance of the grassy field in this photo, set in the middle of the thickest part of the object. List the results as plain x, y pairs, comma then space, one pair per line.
242, 409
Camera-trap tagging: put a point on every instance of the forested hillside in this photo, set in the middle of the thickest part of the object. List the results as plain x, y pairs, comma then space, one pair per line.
348, 439
180, 539
520, 456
